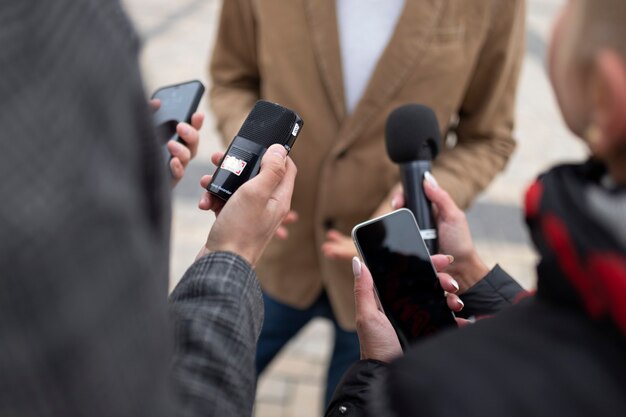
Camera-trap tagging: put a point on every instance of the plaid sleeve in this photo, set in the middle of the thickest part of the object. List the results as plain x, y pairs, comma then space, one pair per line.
218, 312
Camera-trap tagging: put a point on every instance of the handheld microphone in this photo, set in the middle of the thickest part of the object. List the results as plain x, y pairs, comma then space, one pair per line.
267, 124
412, 138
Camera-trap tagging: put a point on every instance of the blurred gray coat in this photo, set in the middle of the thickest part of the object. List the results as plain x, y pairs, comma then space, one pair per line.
84, 229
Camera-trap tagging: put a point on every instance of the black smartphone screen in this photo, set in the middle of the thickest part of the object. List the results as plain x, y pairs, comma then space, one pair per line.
178, 103
405, 279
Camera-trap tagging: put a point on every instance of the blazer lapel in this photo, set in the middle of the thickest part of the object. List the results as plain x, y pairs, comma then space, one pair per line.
322, 18
396, 64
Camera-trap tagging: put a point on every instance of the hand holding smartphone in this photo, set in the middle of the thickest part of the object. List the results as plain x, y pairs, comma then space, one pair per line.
178, 104
405, 279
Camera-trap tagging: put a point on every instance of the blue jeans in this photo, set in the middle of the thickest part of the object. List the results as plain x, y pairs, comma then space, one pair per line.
282, 322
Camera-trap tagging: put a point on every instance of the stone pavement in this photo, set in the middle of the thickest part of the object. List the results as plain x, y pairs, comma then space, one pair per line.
177, 42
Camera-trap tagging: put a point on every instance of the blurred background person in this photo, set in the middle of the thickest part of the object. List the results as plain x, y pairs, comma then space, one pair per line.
344, 66
561, 351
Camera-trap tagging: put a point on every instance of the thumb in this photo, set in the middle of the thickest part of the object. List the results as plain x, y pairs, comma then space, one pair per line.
273, 170
364, 296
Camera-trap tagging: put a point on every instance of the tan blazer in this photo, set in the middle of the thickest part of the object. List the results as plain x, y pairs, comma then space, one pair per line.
460, 57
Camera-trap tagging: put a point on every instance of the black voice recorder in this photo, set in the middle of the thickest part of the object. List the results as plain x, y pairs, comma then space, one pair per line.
268, 123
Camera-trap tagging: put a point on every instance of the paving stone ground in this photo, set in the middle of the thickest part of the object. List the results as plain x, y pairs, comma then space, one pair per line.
177, 41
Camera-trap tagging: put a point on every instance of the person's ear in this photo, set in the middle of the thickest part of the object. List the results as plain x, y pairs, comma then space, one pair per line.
609, 103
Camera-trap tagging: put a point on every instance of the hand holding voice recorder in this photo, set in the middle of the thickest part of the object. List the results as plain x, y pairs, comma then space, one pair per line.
267, 124
404, 277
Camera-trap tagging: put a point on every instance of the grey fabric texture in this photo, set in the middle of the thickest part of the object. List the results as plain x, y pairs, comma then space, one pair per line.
84, 229
218, 311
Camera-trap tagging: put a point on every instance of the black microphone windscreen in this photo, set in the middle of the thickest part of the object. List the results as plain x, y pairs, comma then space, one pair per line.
268, 123
412, 134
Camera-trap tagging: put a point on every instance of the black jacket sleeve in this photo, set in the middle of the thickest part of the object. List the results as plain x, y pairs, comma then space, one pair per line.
354, 389
496, 291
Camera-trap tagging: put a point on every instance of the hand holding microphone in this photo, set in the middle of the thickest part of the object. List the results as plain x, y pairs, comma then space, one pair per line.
412, 138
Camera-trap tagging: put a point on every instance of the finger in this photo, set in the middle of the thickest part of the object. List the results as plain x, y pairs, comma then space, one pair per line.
328, 250
441, 262
439, 197
177, 169
197, 120
463, 322
216, 158
335, 236
210, 202
291, 217
190, 136
282, 233
334, 251
271, 174
454, 302
397, 201
205, 181
180, 151
448, 283
364, 294
155, 104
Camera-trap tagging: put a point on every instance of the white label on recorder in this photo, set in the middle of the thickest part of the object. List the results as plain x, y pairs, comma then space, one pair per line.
429, 234
233, 165
296, 129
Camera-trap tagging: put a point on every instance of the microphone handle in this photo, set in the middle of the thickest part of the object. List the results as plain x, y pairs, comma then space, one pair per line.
412, 174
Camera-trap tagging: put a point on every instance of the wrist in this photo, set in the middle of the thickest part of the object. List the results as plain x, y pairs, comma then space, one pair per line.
469, 272
248, 255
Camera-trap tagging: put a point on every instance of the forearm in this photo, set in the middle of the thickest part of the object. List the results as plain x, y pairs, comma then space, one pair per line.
217, 310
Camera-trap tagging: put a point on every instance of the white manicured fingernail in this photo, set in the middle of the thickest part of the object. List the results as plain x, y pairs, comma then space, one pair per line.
356, 267
460, 303
431, 180
455, 284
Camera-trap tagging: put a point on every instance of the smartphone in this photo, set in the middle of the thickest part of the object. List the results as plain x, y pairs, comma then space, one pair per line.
178, 104
404, 277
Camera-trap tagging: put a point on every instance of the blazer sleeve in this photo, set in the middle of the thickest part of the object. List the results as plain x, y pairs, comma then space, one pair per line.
233, 70
486, 116
217, 310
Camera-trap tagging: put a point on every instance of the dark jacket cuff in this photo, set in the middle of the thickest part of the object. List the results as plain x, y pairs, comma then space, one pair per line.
352, 392
494, 292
